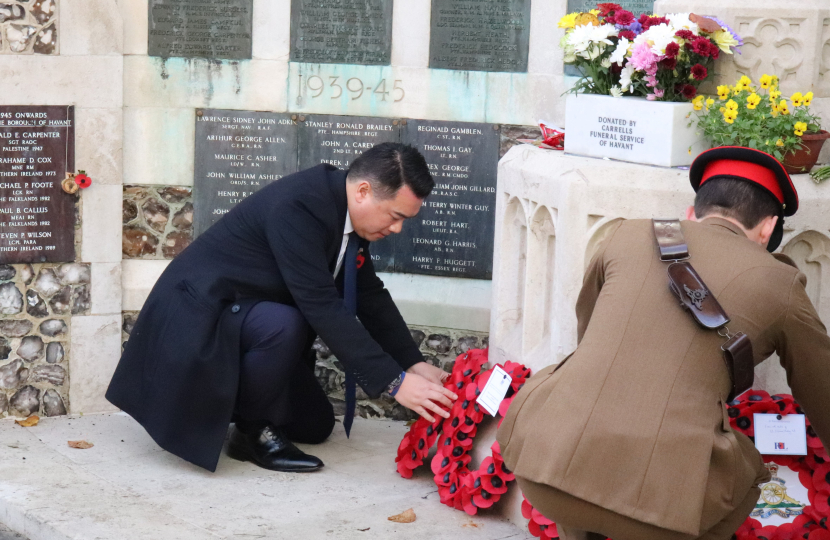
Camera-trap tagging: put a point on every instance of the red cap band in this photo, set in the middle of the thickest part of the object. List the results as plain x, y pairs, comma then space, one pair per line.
744, 169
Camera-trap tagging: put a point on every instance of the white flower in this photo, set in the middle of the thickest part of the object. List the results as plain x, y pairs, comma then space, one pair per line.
586, 36
606, 63
626, 76
681, 21
616, 91
657, 37
618, 56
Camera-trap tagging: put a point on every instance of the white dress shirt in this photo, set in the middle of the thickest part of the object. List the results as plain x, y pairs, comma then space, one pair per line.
347, 230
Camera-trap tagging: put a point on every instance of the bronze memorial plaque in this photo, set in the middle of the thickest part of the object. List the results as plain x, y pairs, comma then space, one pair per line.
237, 153
453, 233
341, 32
37, 218
480, 35
219, 29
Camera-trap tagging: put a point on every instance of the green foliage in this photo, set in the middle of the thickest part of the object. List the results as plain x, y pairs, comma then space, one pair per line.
756, 117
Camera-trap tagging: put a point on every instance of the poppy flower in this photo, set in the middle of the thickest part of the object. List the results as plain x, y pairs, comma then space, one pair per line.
821, 477
83, 180
822, 501
819, 534
526, 507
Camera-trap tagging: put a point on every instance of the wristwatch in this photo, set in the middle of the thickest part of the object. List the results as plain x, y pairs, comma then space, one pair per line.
396, 384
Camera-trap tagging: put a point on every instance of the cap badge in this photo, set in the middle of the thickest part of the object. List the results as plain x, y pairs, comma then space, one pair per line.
696, 295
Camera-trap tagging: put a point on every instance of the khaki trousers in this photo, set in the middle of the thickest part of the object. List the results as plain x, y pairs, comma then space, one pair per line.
575, 517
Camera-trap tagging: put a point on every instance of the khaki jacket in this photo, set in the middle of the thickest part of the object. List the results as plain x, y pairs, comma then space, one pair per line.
634, 421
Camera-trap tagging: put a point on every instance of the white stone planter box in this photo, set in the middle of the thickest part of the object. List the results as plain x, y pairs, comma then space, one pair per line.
631, 129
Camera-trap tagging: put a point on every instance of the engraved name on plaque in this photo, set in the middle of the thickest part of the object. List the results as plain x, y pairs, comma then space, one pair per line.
37, 218
338, 140
480, 35
237, 153
218, 29
341, 31
453, 233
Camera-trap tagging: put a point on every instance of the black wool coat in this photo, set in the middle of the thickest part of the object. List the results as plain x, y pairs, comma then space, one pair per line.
179, 373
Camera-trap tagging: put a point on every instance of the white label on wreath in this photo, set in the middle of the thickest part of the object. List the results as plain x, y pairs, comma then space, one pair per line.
782, 498
782, 435
495, 390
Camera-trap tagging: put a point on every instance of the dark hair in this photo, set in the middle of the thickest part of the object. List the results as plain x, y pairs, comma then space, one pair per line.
742, 200
388, 166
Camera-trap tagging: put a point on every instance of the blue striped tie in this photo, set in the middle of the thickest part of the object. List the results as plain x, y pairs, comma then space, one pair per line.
350, 299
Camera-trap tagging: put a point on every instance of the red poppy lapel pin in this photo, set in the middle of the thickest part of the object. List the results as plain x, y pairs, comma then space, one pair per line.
360, 258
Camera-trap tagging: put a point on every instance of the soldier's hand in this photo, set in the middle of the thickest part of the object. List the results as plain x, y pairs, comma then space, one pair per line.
425, 397
429, 372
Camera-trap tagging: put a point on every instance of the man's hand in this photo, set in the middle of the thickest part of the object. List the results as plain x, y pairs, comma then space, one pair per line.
424, 396
429, 372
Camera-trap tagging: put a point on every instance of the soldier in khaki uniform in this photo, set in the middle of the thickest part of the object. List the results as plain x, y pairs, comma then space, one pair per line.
630, 438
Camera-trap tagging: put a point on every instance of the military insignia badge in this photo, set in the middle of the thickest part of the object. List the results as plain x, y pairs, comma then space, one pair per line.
696, 295
775, 501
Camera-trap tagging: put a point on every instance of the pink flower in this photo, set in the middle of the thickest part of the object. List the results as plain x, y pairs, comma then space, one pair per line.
643, 59
658, 93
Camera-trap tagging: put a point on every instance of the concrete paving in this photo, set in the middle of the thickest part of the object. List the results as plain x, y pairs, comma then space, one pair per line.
126, 487
8, 534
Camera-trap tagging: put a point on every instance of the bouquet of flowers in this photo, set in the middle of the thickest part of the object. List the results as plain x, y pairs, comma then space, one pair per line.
661, 58
757, 116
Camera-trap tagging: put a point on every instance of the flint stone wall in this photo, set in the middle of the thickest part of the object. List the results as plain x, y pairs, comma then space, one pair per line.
36, 305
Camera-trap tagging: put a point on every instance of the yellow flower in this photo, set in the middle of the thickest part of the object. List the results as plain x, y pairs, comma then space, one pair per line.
569, 20
729, 115
779, 142
745, 81
584, 19
808, 98
753, 100
800, 128
698, 102
710, 102
731, 105
774, 94
797, 99
725, 40
594, 12
722, 109
766, 81
723, 92
783, 108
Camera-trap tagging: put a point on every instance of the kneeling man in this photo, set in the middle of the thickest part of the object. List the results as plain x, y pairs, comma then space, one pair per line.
226, 332
628, 438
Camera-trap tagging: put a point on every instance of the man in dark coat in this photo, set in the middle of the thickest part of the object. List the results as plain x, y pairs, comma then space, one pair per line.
225, 334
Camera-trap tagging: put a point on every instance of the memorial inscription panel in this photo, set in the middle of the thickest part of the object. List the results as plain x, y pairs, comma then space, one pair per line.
341, 32
218, 29
480, 35
237, 153
338, 140
453, 233
37, 218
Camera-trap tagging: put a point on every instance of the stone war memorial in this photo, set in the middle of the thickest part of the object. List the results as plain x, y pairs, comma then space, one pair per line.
129, 128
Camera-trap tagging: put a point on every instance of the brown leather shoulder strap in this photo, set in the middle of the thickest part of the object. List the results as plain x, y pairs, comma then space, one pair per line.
670, 240
695, 296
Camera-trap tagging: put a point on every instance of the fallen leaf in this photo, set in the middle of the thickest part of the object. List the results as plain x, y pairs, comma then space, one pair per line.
472, 524
364, 530
29, 422
81, 445
407, 516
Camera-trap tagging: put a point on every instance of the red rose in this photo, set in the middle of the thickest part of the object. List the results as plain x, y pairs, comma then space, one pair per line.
685, 34
628, 34
689, 91
672, 50
669, 63
699, 72
623, 17
605, 9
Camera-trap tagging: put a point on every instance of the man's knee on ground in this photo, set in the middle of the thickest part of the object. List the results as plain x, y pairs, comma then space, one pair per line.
276, 325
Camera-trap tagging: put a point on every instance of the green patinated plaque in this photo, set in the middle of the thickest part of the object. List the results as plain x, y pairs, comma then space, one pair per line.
634, 6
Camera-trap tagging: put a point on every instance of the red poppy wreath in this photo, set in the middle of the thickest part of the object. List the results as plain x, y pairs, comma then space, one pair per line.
811, 520
458, 486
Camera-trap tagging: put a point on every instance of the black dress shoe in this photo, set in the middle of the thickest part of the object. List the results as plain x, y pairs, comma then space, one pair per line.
270, 448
